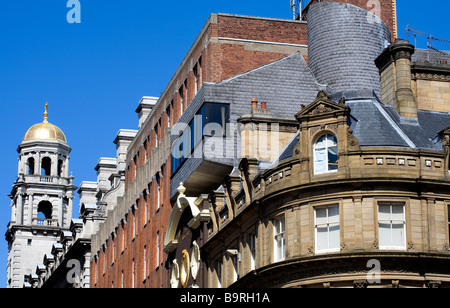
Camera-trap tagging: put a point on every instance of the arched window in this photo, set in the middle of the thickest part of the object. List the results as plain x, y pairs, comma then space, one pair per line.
45, 210
325, 154
60, 167
30, 166
46, 166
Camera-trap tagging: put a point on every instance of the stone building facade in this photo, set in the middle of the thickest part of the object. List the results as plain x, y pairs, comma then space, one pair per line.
357, 198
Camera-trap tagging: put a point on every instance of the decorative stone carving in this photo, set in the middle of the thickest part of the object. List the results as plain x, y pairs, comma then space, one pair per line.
360, 284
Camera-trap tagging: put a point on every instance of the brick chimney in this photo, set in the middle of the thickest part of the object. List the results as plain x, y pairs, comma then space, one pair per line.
394, 65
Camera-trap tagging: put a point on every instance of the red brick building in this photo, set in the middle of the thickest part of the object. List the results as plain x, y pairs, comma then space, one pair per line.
128, 249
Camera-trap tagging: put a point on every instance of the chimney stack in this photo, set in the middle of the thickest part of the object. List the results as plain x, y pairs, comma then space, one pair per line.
394, 65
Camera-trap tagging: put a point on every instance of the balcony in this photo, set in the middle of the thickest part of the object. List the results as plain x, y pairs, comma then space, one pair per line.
46, 179
45, 222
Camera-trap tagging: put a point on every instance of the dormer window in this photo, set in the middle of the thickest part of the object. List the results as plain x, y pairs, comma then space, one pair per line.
325, 154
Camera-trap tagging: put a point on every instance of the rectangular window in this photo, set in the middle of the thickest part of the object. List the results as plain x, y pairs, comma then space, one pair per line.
113, 245
210, 121
158, 192
391, 226
181, 93
144, 196
252, 252
133, 275
327, 228
279, 239
448, 213
168, 112
157, 249
145, 263
134, 222
123, 234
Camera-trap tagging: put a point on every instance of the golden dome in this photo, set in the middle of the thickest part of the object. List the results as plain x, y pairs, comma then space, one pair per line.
45, 131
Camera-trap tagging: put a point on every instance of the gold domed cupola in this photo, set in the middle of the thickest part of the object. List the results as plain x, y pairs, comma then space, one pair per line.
45, 131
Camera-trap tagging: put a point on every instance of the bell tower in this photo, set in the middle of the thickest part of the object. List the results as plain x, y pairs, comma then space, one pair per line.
41, 199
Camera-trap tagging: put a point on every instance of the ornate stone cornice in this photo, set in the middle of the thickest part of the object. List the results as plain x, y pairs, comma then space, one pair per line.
400, 50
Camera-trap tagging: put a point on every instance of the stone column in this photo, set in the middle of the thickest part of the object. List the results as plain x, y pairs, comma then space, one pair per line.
30, 209
19, 206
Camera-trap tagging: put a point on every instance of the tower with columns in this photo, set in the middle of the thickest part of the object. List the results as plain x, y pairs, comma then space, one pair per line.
41, 199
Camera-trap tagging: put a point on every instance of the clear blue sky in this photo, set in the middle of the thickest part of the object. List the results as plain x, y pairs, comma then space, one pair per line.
93, 74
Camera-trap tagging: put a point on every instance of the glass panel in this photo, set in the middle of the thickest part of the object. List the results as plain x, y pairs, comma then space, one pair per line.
331, 141
333, 214
332, 158
335, 241
397, 213
322, 238
398, 235
321, 216
384, 212
321, 142
320, 161
384, 232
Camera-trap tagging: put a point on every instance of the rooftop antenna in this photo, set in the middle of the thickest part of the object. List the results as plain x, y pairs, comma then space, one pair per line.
409, 31
430, 38
296, 7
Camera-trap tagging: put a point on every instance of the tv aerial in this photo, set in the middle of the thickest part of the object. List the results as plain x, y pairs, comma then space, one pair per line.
430, 39
409, 31
296, 7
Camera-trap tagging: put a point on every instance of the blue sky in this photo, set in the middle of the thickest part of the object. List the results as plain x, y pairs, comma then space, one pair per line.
93, 74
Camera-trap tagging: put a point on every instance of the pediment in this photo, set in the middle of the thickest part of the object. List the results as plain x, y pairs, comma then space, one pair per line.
322, 106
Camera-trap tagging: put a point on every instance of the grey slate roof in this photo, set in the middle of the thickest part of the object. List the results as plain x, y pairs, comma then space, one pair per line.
376, 124
431, 56
285, 85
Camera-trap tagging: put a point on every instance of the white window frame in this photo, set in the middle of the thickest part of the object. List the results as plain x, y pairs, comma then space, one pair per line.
279, 221
391, 222
328, 224
315, 148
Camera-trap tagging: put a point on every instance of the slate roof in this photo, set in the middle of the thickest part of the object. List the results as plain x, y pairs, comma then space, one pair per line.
376, 124
431, 56
284, 85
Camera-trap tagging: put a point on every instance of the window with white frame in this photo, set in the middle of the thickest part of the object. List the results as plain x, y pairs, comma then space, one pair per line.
325, 154
391, 226
279, 239
327, 229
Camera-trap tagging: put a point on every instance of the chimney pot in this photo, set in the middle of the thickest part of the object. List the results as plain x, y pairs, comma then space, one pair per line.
444, 62
254, 103
263, 105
